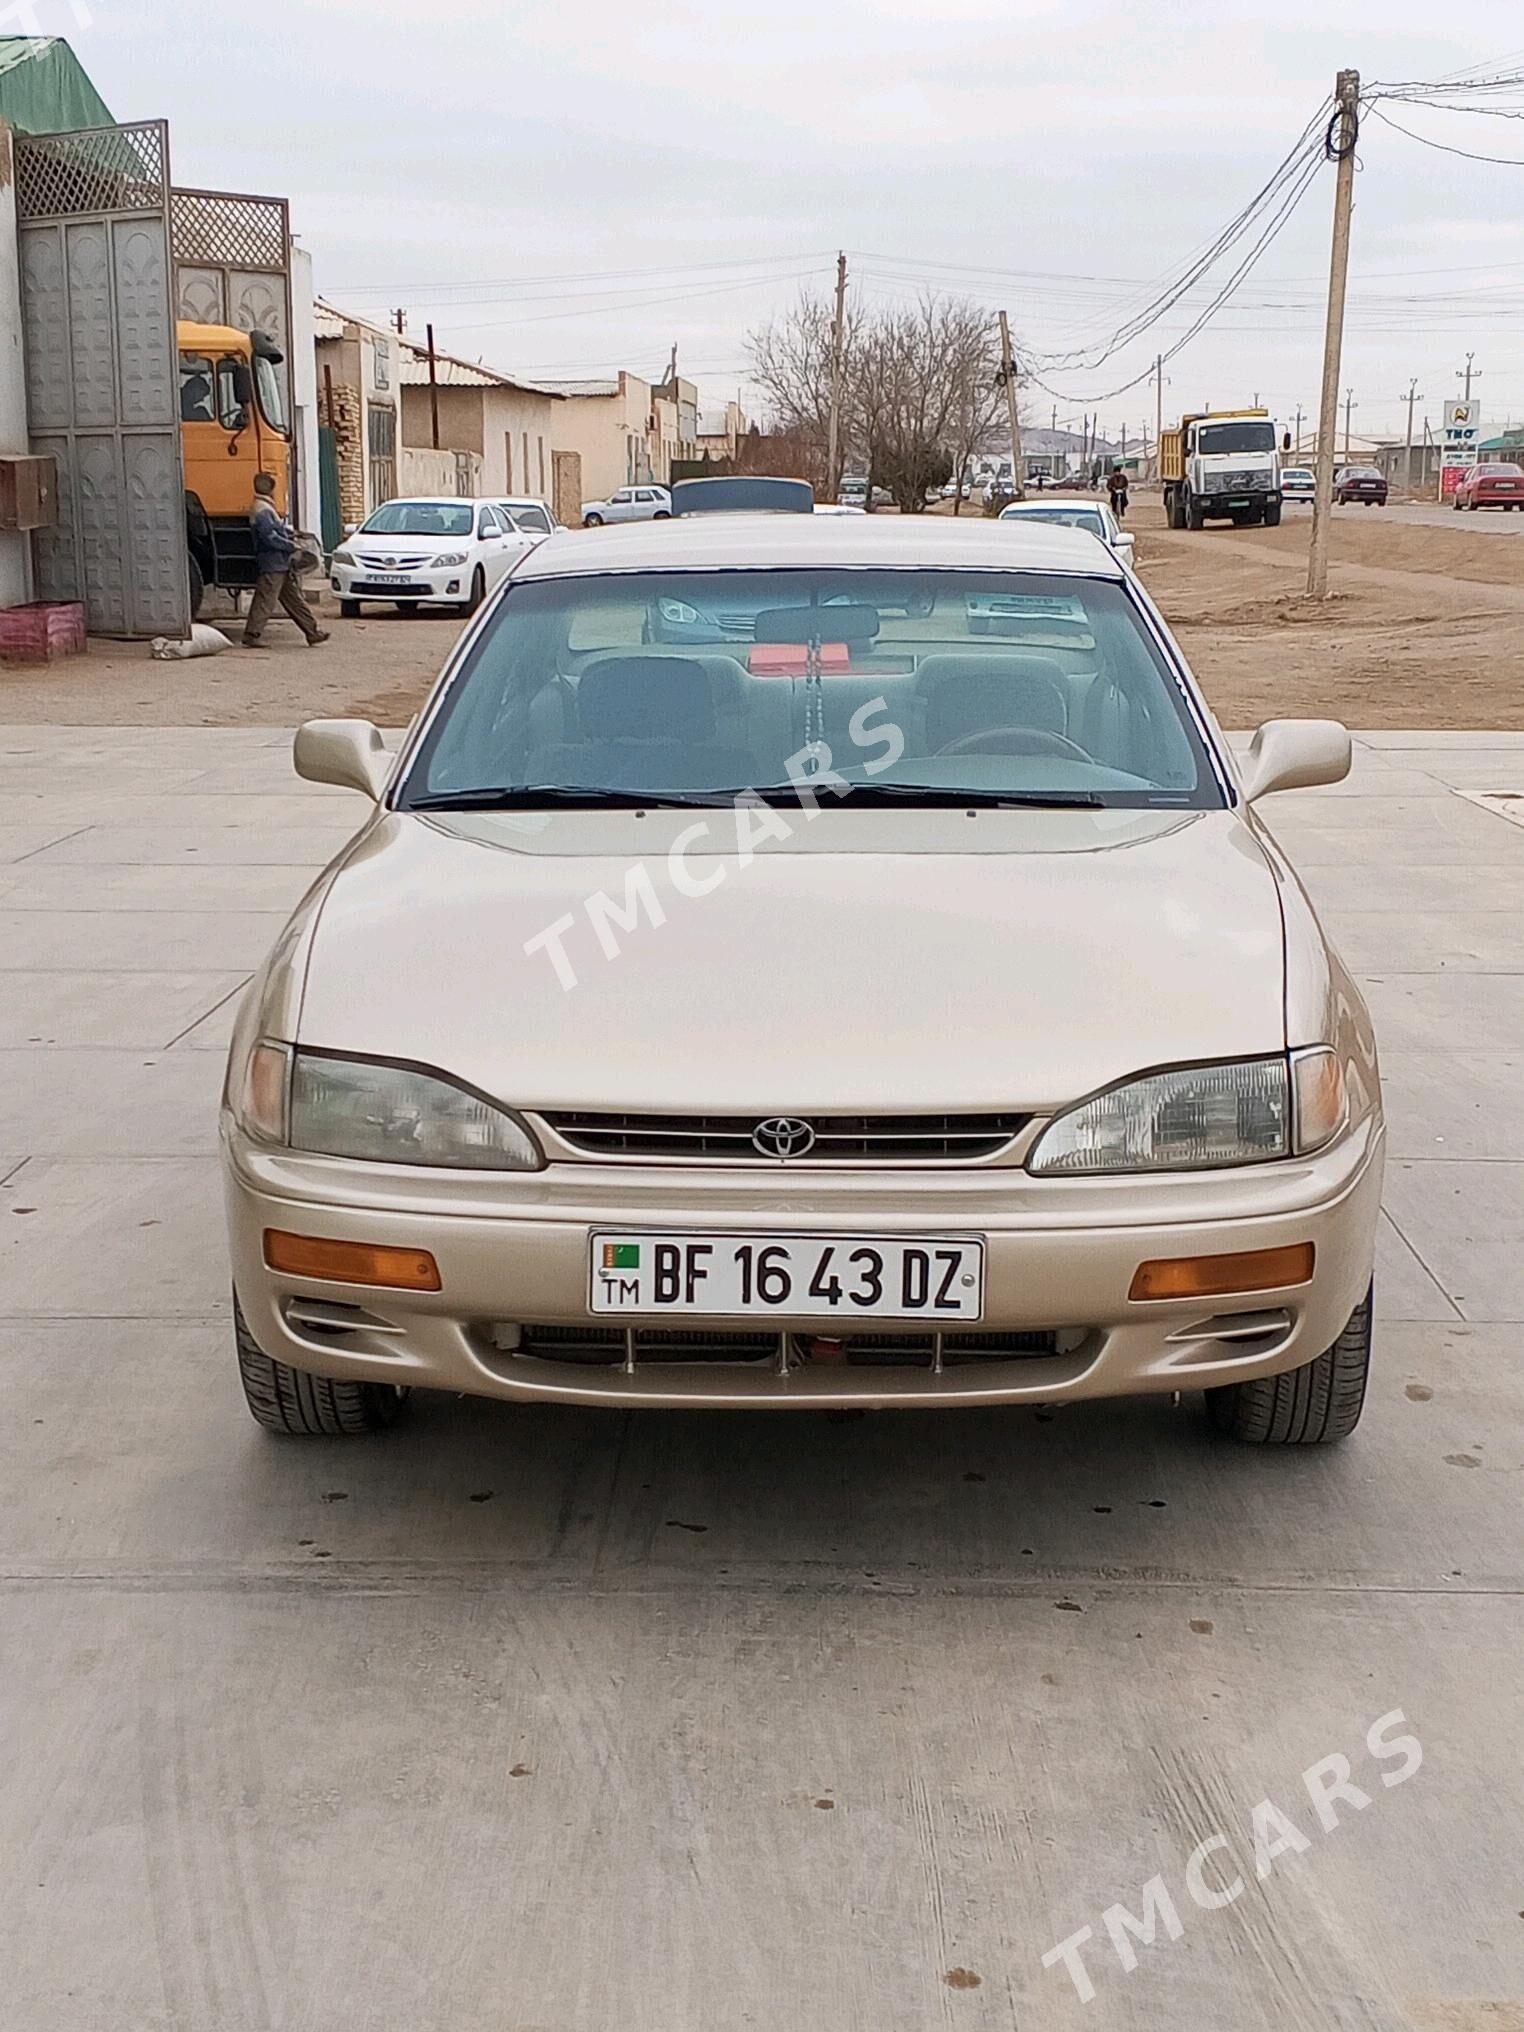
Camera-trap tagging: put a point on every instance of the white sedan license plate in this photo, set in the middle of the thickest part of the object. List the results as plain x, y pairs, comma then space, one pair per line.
757, 1276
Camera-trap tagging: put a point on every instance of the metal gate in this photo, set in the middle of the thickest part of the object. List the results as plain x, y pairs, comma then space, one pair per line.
232, 256
93, 216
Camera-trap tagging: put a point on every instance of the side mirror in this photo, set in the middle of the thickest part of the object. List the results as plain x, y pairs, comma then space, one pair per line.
1295, 755
347, 753
351, 528
1285, 440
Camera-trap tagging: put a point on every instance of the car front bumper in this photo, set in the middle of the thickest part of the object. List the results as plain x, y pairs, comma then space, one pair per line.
426, 585
513, 1254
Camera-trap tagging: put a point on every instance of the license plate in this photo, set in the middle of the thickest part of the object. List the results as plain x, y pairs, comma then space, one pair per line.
757, 1276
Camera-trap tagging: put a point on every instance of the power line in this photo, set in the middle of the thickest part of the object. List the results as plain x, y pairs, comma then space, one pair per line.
1445, 147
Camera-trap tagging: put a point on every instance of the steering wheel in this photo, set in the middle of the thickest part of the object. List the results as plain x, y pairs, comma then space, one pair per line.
1015, 741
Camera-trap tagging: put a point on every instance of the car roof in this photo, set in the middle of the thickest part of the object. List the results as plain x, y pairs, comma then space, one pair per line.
739, 542
1018, 511
431, 501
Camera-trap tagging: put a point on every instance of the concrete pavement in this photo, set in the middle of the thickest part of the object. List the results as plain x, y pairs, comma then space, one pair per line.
541, 1719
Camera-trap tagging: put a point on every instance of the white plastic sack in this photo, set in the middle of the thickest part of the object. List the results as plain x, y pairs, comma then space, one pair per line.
203, 641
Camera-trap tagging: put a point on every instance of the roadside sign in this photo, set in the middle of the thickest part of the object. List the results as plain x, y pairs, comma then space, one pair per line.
1462, 435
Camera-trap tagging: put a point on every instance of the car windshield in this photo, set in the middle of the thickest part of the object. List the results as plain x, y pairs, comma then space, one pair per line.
1499, 472
420, 518
1361, 473
1235, 437
1070, 518
913, 686
527, 515
1297, 473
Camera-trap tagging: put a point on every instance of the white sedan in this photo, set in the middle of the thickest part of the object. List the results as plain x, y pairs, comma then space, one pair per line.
628, 504
434, 551
1094, 516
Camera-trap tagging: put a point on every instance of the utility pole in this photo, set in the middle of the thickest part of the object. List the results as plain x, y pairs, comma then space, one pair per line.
833, 429
1347, 99
1298, 452
1468, 374
399, 319
1349, 403
1158, 403
1008, 376
434, 387
1407, 464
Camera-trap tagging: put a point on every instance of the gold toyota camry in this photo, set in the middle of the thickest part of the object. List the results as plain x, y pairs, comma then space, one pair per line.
800, 962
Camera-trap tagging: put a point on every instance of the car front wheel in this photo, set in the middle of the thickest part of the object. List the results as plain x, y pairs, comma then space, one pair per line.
592, 522
1312, 1406
291, 1401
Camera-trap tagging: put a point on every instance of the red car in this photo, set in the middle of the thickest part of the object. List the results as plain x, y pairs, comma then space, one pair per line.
1490, 487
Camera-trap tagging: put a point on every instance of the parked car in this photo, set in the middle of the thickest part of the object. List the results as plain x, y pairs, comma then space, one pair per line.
628, 504
1298, 483
1010, 1066
1366, 484
1494, 486
529, 512
1094, 516
426, 551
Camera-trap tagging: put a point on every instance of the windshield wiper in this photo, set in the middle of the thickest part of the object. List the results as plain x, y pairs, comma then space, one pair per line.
569, 796
935, 794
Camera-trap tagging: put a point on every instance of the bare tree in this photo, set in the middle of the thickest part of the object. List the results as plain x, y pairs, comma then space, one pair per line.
918, 388
791, 363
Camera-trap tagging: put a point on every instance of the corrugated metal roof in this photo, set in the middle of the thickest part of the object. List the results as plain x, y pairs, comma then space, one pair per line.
598, 387
452, 372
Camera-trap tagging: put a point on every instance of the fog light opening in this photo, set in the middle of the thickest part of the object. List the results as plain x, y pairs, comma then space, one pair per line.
1215, 1276
351, 1262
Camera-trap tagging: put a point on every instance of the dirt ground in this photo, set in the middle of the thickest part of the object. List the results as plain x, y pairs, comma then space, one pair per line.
1424, 628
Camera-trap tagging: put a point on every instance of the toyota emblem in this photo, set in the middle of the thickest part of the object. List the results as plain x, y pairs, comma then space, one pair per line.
783, 1136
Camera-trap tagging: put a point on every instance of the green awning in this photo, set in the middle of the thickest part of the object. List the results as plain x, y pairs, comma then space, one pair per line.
44, 90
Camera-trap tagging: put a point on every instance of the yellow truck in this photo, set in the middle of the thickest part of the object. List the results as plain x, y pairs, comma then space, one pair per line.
232, 426
1222, 465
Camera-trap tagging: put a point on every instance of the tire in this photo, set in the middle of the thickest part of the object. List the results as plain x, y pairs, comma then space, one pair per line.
197, 587
1315, 1405
294, 1403
1457, 504
662, 515
477, 594
1195, 516
1272, 515
592, 522
350, 609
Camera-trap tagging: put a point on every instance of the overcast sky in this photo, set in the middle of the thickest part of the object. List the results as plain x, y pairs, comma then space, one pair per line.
568, 186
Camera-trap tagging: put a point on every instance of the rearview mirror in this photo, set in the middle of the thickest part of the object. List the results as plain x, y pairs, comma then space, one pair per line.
1295, 755
347, 753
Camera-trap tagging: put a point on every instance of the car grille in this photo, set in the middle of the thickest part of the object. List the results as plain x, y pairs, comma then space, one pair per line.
606, 1346
737, 624
1239, 483
393, 563
839, 1139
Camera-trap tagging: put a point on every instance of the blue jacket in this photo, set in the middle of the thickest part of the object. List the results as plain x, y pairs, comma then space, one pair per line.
274, 544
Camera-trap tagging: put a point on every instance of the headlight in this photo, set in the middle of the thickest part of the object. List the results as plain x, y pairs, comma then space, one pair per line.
1188, 1120
380, 1114
678, 610
344, 557
448, 557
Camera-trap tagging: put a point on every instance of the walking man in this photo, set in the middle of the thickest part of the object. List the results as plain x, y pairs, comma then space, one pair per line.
277, 585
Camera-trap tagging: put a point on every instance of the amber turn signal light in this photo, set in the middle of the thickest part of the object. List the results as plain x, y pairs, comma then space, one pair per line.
1212, 1276
351, 1262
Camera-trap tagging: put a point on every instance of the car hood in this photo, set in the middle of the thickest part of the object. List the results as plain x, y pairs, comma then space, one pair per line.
896, 960
391, 545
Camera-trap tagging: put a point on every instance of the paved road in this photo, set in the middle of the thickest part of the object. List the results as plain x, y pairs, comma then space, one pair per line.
541, 1719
